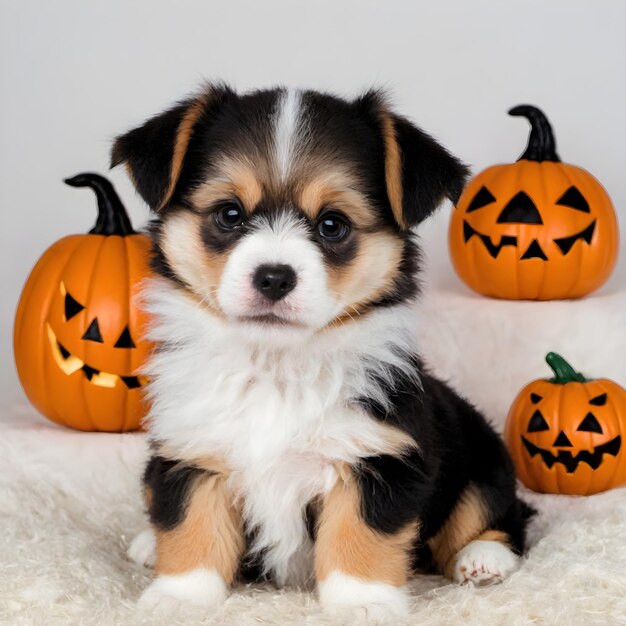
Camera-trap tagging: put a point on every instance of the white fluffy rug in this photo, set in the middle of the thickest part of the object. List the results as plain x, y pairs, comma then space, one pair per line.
70, 502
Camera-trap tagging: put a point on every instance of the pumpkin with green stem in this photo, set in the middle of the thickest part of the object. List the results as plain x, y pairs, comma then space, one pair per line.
565, 433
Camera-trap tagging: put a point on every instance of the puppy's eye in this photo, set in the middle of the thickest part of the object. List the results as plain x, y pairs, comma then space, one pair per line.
229, 216
333, 227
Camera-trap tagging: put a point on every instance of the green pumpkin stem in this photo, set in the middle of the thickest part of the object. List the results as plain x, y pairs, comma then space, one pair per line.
112, 216
563, 372
541, 144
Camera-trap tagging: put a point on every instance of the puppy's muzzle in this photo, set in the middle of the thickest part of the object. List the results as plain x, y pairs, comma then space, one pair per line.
274, 282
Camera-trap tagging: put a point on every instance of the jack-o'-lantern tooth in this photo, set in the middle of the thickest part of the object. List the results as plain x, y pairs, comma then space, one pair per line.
64, 353
68, 363
104, 379
89, 371
132, 382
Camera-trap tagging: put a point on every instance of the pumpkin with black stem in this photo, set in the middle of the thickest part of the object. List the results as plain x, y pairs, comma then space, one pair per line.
78, 333
565, 434
537, 229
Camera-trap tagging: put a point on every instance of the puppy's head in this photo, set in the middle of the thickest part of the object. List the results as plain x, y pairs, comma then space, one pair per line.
286, 211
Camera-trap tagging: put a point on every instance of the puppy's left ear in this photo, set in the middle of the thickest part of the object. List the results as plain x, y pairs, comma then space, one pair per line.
419, 172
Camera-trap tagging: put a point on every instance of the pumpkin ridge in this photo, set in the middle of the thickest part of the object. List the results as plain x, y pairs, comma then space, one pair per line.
43, 362
83, 388
127, 411
615, 409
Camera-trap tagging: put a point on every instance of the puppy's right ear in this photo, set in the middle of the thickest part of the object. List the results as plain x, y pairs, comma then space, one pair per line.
155, 153
419, 172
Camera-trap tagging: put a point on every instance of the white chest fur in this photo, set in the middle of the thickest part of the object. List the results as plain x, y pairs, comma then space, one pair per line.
280, 417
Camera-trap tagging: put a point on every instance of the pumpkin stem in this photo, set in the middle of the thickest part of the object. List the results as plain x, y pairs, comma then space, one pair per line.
541, 144
563, 371
112, 216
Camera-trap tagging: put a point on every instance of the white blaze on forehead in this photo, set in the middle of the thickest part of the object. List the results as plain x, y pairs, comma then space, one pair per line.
286, 123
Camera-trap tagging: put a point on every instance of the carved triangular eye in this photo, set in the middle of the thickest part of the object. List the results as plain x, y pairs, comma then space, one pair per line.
573, 199
598, 400
537, 423
125, 340
535, 398
93, 332
72, 307
590, 424
520, 210
481, 199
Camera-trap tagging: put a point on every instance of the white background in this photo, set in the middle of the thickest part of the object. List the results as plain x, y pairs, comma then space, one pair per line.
74, 73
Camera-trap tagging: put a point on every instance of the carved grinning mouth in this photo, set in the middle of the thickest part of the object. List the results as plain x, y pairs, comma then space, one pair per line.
569, 461
494, 251
69, 364
534, 251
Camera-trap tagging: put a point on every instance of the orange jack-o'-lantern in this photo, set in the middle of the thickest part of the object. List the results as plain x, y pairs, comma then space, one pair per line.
78, 335
565, 434
537, 229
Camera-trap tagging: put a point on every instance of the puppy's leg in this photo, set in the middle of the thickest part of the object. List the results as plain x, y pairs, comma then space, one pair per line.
199, 538
356, 567
465, 549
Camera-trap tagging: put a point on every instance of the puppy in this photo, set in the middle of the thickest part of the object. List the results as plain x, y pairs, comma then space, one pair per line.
295, 433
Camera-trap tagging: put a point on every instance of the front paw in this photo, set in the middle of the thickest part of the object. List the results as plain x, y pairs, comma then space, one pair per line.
201, 587
363, 600
484, 563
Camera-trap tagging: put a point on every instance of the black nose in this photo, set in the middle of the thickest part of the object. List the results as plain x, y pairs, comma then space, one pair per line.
274, 281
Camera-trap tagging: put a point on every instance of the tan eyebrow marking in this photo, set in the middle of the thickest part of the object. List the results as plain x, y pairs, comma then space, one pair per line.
233, 177
338, 189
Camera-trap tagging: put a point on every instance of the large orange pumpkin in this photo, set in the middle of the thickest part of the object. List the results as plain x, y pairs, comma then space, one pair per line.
77, 336
565, 434
537, 229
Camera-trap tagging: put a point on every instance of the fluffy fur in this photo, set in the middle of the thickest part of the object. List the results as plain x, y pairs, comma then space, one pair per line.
287, 396
63, 539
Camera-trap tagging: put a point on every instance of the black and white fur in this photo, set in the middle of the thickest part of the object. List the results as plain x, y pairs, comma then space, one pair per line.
287, 393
